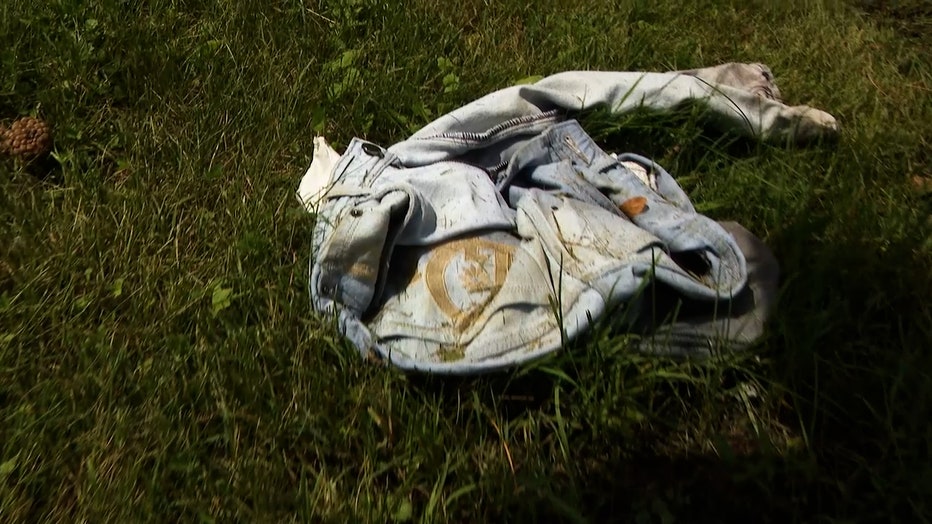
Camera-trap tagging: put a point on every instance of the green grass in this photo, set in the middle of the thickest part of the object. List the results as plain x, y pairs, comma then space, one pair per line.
159, 359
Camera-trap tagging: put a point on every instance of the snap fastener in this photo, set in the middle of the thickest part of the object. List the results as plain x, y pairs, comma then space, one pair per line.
372, 149
355, 212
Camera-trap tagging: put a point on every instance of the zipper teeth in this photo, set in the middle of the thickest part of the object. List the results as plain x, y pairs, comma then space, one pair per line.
480, 137
501, 165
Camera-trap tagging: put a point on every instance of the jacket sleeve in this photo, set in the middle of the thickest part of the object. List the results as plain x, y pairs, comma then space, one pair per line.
524, 108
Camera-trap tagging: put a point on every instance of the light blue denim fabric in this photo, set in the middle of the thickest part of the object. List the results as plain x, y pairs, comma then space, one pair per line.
495, 234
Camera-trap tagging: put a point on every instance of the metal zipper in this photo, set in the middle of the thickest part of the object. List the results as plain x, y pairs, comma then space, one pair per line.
491, 132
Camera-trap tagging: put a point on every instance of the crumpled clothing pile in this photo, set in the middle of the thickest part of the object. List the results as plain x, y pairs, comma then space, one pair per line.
502, 230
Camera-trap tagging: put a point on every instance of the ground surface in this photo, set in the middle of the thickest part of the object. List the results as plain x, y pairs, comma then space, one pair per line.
158, 357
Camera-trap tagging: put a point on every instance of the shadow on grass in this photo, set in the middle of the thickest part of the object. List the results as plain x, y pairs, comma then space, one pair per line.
847, 368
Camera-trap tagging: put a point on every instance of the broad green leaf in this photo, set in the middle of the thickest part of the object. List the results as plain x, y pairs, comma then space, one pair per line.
221, 299
533, 79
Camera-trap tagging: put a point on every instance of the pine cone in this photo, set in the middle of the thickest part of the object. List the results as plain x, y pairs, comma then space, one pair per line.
28, 138
921, 185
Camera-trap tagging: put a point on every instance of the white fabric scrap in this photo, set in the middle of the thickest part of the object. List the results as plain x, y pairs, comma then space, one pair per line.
318, 177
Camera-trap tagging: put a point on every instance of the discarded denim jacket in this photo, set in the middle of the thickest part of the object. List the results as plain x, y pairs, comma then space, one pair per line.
501, 230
